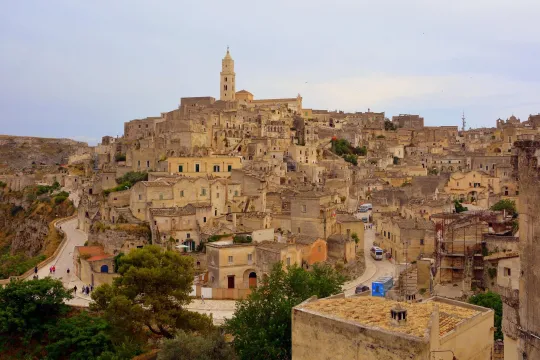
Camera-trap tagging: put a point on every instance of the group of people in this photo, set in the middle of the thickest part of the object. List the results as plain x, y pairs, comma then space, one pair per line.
52, 269
85, 289
368, 226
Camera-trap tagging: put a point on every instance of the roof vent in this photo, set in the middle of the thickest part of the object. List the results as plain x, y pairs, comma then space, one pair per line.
399, 315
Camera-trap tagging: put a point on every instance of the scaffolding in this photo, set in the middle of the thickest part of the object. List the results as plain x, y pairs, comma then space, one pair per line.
459, 246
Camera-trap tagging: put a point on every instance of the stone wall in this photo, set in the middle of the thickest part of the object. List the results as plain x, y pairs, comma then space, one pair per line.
118, 238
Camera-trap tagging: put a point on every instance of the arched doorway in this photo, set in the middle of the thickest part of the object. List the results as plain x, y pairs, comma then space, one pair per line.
104, 269
252, 279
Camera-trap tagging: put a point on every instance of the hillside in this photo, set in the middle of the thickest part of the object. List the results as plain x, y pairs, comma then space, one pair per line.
18, 153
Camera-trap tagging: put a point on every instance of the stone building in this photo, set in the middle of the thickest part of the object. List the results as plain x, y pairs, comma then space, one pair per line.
366, 327
314, 214
408, 121
93, 266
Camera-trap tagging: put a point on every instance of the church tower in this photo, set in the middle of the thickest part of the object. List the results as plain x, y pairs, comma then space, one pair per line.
227, 88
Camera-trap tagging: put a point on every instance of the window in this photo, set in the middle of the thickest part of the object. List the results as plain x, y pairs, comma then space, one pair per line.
181, 193
250, 258
140, 197
507, 271
155, 222
217, 195
288, 261
299, 230
180, 168
204, 219
230, 259
197, 167
229, 168
235, 192
147, 163
304, 208
188, 235
203, 192
138, 164
421, 241
216, 168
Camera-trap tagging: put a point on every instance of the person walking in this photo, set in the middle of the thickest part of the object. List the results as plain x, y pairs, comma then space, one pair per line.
202, 299
35, 269
68, 271
75, 289
50, 270
91, 288
54, 269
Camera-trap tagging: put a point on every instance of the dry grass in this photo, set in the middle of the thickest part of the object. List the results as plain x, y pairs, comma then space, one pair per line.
52, 241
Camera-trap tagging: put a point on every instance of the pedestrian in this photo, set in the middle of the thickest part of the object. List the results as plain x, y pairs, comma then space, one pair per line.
91, 288
87, 290
202, 298
50, 270
68, 271
75, 289
54, 269
35, 269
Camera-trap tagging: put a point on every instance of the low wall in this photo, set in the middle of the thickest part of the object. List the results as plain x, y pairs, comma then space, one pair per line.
56, 223
219, 293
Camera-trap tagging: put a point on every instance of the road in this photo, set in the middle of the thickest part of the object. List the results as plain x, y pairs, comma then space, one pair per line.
64, 261
374, 269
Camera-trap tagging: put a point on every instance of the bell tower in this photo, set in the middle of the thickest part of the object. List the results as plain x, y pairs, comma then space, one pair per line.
227, 88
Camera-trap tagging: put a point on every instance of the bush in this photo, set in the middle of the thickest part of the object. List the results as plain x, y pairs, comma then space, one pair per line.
59, 199
2, 184
242, 239
360, 151
120, 157
351, 158
354, 236
505, 204
459, 208
389, 126
493, 301
187, 346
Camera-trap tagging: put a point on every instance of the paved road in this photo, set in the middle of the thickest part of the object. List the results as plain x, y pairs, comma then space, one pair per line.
64, 261
374, 269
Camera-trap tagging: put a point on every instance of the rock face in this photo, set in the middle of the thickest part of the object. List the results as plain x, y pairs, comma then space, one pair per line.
21, 152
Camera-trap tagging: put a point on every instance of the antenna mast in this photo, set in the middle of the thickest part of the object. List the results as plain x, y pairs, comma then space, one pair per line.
463, 121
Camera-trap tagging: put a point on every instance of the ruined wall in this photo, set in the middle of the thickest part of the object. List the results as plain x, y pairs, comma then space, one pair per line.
525, 165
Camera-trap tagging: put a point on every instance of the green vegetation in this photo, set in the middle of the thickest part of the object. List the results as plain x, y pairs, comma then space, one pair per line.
242, 239
406, 183
459, 208
150, 295
493, 301
505, 204
354, 236
2, 184
389, 125
120, 157
17, 264
344, 149
186, 346
261, 325
127, 181
61, 197
433, 171
217, 237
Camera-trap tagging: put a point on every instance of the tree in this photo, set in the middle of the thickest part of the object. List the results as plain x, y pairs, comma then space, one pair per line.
194, 347
79, 337
28, 307
153, 286
505, 204
389, 125
459, 208
261, 324
493, 301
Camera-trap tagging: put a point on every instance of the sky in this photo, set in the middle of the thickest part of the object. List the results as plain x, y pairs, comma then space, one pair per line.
80, 69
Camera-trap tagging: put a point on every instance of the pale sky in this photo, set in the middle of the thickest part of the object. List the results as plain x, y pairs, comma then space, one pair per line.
80, 69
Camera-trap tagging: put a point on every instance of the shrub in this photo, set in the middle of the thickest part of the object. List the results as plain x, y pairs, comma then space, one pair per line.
354, 236
238, 239
2, 184
505, 204
459, 208
59, 199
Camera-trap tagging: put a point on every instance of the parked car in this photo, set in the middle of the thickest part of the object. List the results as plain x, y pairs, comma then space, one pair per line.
361, 288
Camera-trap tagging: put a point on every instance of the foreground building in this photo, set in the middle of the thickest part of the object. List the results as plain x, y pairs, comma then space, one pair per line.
366, 327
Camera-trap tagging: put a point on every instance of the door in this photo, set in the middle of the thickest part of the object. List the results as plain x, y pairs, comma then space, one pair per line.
230, 281
252, 279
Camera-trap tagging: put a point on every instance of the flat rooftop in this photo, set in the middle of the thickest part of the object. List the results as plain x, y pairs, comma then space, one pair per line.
374, 312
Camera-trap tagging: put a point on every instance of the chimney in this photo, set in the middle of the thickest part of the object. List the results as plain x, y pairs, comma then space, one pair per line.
398, 315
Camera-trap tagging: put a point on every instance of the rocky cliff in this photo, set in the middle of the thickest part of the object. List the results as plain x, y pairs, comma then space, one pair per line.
23, 153
26, 236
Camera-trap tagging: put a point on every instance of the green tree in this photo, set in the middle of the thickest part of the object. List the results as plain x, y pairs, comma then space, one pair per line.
261, 324
187, 346
459, 208
493, 301
389, 125
79, 337
153, 286
28, 307
505, 204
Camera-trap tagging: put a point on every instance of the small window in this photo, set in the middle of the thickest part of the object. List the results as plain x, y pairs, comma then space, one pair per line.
250, 257
235, 192
507, 271
288, 261
197, 167
181, 193
230, 259
304, 208
140, 197
147, 163
203, 192
138, 164
180, 168
217, 195
216, 168
188, 235
299, 230
204, 219
229, 168
155, 222
421, 241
